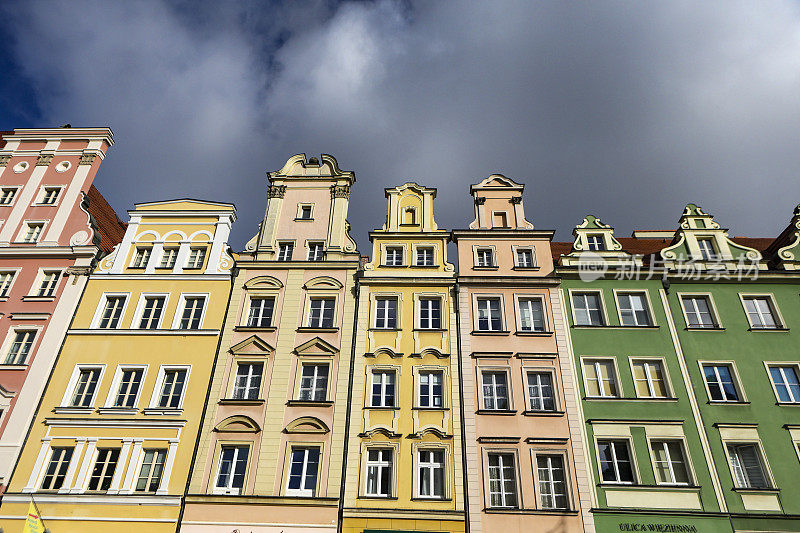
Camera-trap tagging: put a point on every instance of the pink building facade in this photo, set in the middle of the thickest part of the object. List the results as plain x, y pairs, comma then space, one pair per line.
54, 224
524, 461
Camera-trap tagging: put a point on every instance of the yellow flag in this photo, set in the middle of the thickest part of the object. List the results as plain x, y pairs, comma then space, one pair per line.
33, 524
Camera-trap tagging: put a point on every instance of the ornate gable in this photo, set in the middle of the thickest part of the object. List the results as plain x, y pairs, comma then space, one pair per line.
597, 241
701, 241
785, 250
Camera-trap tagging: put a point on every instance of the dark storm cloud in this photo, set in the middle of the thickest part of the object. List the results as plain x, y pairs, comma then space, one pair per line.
625, 110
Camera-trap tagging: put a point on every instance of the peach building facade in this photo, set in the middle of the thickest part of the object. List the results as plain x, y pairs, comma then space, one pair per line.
524, 461
270, 454
54, 224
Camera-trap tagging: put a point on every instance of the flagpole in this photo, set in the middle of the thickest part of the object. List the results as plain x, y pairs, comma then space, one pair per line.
38, 513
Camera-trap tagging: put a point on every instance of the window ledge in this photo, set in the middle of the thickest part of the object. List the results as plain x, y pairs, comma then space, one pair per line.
516, 510
365, 497
493, 267
644, 326
417, 408
630, 399
22, 366
433, 330
640, 486
588, 326
240, 401
543, 413
753, 490
117, 410
299, 219
785, 404
695, 328
424, 266
70, 410
383, 329
393, 266
720, 402
767, 329
254, 328
490, 332
501, 412
380, 408
430, 499
534, 268
161, 411
38, 298
309, 403
534, 333
305, 329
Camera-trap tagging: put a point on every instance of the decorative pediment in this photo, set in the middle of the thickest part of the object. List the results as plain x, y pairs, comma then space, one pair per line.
384, 350
382, 431
434, 352
785, 250
322, 283
5, 393
238, 424
306, 424
263, 282
430, 430
702, 242
316, 346
597, 241
497, 181
252, 345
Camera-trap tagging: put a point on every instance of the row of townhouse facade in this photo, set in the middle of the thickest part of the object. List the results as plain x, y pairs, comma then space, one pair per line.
162, 382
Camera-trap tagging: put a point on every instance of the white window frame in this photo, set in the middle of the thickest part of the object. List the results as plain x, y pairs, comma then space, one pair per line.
14, 276
229, 489
418, 308
140, 465
249, 308
302, 492
176, 320
535, 453
381, 464
429, 370
487, 478
140, 305
321, 246
509, 388
41, 193
425, 247
632, 360
11, 336
631, 457
235, 378
602, 303
531, 249
430, 466
190, 265
590, 242
475, 312
98, 313
792, 364
492, 256
278, 252
157, 388
526, 370
376, 316
771, 303
314, 363
716, 322
394, 249
24, 231
39, 280
372, 371
66, 400
14, 198
762, 458
299, 213
136, 247
518, 298
163, 256
687, 462
650, 315
113, 390
712, 254
313, 297
737, 384
595, 360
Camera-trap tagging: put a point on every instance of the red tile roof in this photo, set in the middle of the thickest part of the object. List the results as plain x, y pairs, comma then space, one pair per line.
110, 227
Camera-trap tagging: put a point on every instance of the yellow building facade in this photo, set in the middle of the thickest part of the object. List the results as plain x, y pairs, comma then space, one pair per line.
404, 448
114, 436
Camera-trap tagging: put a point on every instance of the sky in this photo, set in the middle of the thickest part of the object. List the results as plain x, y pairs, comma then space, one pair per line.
624, 110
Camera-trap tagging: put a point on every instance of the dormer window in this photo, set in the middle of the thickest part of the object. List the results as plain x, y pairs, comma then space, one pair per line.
305, 212
394, 256
197, 257
500, 220
425, 256
141, 257
525, 258
484, 257
595, 243
409, 216
707, 250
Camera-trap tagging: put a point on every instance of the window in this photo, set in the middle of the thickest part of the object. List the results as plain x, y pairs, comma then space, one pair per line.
587, 309
248, 381
552, 481
761, 312
698, 312
409, 216
489, 317
232, 467
6, 278
787, 386
314, 383
50, 195
707, 251
168, 258
85, 387
531, 314
394, 256
112, 312
386, 313
500, 220
747, 467
525, 258
129, 385
7, 195
601, 379
320, 314
431, 473
20, 347
103, 471
648, 377
540, 391
305, 212
430, 313
430, 389
151, 312
382, 388
141, 257
192, 312
49, 282
33, 232
615, 461
719, 380
152, 468
425, 256
197, 257
633, 309
670, 462
484, 256
57, 468
315, 252
502, 480
285, 250
260, 315
172, 387
303, 472
595, 243
495, 391
379, 472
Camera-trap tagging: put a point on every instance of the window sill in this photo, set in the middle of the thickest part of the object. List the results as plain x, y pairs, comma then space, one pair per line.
588, 326
298, 219
432, 330
393, 266
695, 328
69, 410
784, 404
366, 497
490, 332
38, 298
767, 329
430, 499
442, 409
643, 326
534, 333
383, 329
255, 328
240, 401
753, 490
424, 266
501, 412
516, 510
493, 267
531, 268
638, 486
161, 411
309, 403
117, 410
22, 366
543, 413
316, 330
629, 399
718, 402
380, 408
